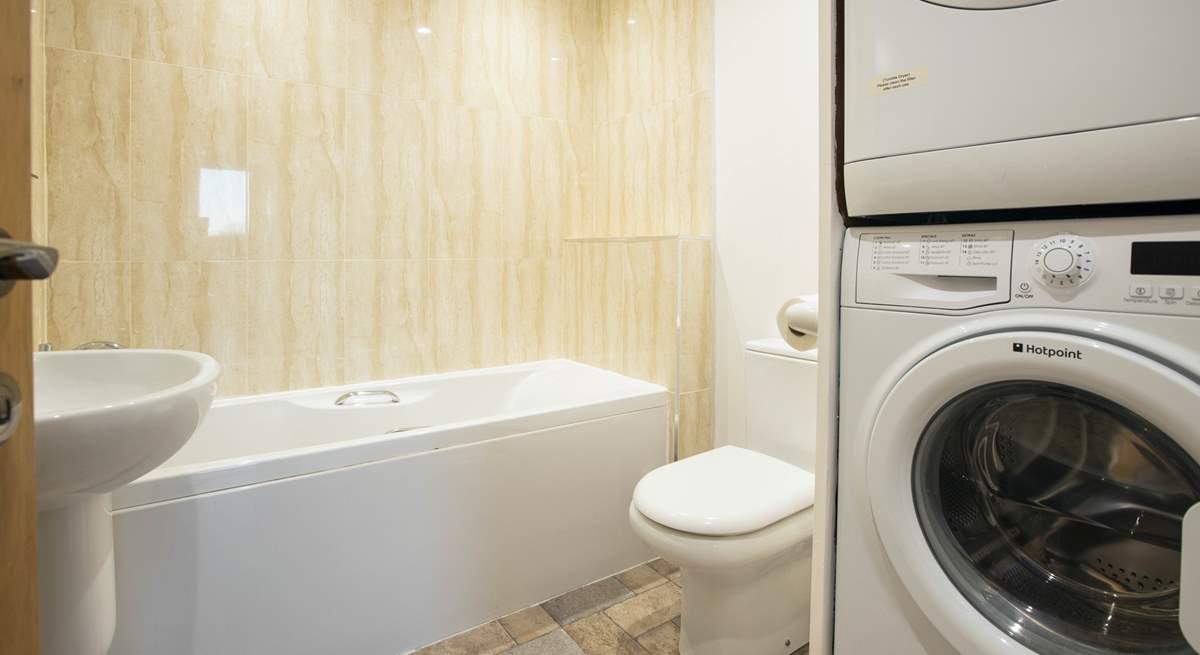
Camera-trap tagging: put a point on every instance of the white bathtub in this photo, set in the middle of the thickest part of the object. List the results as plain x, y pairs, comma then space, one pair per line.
291, 525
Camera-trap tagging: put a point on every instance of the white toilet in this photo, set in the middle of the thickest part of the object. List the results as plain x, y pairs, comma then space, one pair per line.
738, 521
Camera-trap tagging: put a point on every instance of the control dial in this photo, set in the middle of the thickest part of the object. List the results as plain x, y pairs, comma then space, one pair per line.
1064, 261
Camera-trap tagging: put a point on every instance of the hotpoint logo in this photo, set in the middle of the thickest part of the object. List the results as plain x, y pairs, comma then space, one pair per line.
1052, 353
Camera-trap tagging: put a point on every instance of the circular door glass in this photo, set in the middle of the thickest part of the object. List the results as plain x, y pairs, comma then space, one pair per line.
1058, 514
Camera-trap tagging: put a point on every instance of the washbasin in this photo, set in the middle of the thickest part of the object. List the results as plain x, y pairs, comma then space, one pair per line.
103, 419
106, 417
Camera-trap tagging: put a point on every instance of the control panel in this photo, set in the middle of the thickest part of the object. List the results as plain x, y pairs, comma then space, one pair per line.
1137, 265
1067, 260
946, 269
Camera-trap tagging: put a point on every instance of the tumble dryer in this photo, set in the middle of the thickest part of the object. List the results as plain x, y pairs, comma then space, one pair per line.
1019, 439
986, 104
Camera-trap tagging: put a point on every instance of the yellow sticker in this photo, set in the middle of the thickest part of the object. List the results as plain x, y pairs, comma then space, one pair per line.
898, 81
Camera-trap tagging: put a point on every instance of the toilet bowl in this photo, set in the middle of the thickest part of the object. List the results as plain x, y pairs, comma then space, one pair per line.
739, 521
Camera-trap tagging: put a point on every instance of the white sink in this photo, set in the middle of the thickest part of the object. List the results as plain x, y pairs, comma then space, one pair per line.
104, 418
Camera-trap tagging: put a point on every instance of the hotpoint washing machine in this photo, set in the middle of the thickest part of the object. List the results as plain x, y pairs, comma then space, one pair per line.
1019, 439
988, 104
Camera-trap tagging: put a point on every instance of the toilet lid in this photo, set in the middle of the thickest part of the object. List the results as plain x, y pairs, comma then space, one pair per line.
723, 492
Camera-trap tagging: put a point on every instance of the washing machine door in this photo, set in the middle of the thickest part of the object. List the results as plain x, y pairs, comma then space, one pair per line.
1030, 490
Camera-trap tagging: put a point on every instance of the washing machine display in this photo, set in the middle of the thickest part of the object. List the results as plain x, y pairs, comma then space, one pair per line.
1058, 514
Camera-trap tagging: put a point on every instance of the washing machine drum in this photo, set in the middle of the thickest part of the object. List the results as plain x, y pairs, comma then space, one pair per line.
1059, 513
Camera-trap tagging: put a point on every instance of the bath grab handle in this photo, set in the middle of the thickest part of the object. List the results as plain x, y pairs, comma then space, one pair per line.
383, 397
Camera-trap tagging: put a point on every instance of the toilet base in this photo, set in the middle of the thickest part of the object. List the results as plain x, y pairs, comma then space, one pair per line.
760, 609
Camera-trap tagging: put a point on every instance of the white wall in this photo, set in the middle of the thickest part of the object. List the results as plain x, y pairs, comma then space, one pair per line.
767, 152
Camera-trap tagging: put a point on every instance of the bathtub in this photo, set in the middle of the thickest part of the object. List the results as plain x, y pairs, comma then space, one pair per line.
289, 524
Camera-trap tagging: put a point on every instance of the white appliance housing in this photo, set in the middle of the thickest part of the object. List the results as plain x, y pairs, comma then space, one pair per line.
987, 104
1017, 438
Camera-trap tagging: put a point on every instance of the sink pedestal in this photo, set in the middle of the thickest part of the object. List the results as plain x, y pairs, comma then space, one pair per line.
76, 580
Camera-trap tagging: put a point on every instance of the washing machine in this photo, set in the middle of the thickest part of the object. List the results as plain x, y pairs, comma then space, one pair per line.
986, 104
1019, 438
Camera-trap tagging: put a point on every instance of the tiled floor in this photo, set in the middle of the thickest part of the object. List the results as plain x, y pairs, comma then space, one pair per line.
635, 612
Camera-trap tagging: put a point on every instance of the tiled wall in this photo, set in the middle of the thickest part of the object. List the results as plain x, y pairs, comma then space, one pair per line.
345, 190
644, 259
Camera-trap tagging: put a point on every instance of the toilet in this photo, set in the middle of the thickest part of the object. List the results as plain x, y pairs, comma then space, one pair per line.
739, 521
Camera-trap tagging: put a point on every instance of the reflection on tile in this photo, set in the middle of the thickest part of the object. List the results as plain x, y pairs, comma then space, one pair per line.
295, 341
91, 303
386, 319
296, 143
213, 34
189, 164
487, 639
641, 578
555, 643
299, 41
663, 640
598, 635
696, 315
648, 610
581, 602
528, 624
190, 306
695, 422
94, 25
87, 152
388, 154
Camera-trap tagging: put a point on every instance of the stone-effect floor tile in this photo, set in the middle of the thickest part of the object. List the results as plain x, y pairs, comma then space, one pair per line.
598, 635
665, 569
663, 640
648, 610
487, 639
640, 578
529, 624
555, 643
575, 605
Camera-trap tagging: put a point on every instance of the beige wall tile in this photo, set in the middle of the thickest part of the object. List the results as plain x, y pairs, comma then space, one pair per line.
602, 303
468, 313
296, 140
504, 185
87, 153
696, 315
90, 303
546, 52
387, 319
533, 309
695, 422
296, 336
386, 51
388, 162
189, 164
649, 344
689, 203
652, 53
479, 182
300, 41
101, 26
190, 306
211, 34
631, 161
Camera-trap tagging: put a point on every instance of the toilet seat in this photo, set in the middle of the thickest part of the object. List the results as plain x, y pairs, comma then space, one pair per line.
724, 492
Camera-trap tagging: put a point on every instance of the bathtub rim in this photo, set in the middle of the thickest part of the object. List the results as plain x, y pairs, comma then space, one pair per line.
166, 484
